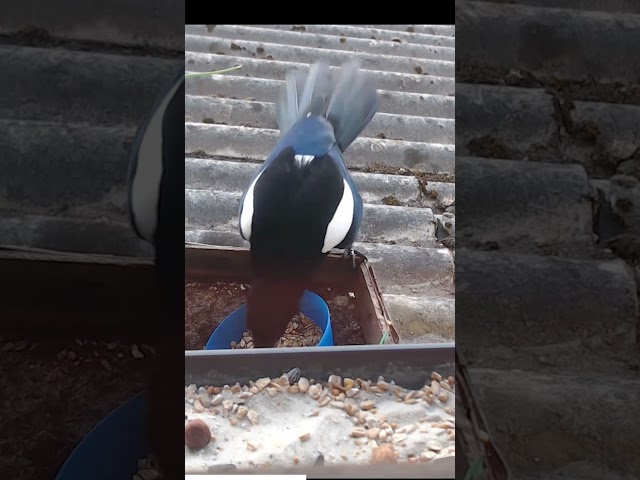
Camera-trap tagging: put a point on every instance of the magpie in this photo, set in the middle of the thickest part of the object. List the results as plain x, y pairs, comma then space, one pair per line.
302, 203
155, 201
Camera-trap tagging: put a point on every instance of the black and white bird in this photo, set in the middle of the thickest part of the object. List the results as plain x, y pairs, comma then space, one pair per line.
156, 211
303, 202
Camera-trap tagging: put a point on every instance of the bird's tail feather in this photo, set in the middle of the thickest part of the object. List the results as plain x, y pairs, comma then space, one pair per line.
349, 103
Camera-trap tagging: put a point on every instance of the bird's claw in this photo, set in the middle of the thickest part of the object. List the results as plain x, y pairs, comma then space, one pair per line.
349, 252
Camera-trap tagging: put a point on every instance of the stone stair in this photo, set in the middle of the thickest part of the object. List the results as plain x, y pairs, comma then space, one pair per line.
68, 118
403, 163
544, 131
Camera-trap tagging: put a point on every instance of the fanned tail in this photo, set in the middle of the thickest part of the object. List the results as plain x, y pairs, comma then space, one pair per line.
348, 104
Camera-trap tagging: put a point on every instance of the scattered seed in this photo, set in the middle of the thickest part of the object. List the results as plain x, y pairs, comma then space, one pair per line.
358, 432
272, 391
216, 400
352, 392
262, 383
339, 405
399, 437
253, 417
435, 386
252, 447
315, 391
227, 404
443, 397
305, 437
242, 412
324, 402
436, 376
434, 445
303, 384
373, 433
368, 405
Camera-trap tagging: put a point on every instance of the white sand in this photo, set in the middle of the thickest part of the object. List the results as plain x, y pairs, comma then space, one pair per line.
285, 417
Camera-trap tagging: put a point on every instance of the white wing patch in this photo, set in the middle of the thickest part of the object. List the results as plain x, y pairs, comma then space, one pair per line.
340, 224
246, 216
303, 160
145, 186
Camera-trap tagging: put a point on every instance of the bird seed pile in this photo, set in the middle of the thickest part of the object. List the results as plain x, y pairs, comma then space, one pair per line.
293, 420
301, 332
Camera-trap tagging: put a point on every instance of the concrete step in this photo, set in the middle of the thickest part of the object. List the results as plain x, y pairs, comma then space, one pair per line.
292, 53
612, 6
422, 319
263, 115
226, 175
558, 300
48, 167
506, 122
146, 23
67, 234
525, 207
331, 42
501, 36
205, 209
276, 70
265, 90
544, 422
256, 144
526, 124
446, 30
400, 270
75, 86
359, 31
611, 130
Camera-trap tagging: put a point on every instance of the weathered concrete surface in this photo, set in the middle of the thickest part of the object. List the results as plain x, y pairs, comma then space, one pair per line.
80, 235
601, 136
55, 166
267, 36
366, 31
624, 198
419, 318
524, 300
96, 88
550, 42
381, 223
244, 48
147, 23
276, 70
256, 144
267, 90
525, 207
542, 422
225, 175
263, 115
506, 122
613, 6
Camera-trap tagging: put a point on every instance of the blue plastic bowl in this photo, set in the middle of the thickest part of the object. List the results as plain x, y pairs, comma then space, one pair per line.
112, 449
232, 328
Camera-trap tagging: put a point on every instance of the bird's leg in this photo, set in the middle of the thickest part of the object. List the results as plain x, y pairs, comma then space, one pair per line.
349, 252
